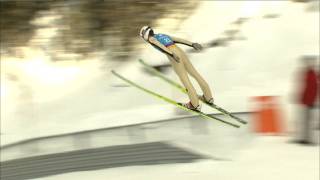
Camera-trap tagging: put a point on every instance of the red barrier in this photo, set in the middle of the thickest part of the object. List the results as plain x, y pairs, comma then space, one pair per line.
268, 117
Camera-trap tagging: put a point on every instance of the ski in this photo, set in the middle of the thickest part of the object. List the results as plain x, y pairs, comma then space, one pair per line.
182, 89
204, 115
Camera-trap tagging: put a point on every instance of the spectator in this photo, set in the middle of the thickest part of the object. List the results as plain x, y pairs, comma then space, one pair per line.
308, 96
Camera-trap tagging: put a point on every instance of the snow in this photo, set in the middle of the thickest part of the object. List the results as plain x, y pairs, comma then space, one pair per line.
91, 122
85, 100
262, 65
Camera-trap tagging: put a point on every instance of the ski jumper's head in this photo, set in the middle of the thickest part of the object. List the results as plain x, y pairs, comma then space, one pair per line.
309, 61
146, 32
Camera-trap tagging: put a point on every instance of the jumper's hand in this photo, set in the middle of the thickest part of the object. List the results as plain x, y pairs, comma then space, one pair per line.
176, 57
197, 46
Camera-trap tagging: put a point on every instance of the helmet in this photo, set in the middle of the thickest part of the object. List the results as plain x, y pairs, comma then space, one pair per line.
145, 32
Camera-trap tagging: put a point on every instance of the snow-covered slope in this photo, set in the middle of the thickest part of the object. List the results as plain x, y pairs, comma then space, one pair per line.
262, 65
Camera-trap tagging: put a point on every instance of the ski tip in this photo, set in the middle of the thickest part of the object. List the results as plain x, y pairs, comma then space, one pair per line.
113, 71
142, 62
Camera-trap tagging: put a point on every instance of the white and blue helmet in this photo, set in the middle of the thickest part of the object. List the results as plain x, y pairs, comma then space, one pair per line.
145, 32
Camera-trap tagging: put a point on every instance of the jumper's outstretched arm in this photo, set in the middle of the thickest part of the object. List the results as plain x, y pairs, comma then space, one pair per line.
182, 41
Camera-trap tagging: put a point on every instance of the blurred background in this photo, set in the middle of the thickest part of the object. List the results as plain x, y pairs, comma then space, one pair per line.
65, 116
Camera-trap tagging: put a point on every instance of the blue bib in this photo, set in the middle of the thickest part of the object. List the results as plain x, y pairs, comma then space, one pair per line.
164, 39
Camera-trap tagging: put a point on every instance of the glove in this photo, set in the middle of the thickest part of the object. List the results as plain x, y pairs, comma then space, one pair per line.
197, 46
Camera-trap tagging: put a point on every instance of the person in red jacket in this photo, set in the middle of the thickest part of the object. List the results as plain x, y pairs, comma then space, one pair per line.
308, 96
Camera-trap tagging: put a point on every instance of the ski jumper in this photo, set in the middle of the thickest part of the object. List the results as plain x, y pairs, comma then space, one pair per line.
183, 68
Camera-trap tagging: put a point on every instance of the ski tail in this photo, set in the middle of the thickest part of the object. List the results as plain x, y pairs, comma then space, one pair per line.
172, 101
182, 89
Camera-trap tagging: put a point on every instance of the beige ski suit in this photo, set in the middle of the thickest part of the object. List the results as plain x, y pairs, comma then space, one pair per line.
183, 67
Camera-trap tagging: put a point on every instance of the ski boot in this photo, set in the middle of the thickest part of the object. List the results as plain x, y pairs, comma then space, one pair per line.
210, 101
190, 106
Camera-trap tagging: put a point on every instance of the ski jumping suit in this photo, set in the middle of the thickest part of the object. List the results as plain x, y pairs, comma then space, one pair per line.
183, 67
